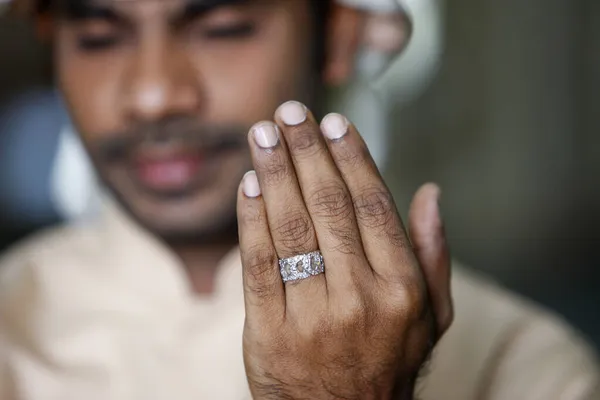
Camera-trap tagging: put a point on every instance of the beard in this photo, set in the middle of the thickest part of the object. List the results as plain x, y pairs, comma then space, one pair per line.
224, 151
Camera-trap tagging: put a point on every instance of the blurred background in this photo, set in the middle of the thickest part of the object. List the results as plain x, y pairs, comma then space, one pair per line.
505, 121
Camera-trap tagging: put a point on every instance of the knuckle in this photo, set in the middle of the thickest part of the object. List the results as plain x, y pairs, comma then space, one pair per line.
316, 331
397, 238
295, 231
347, 241
352, 157
331, 201
352, 317
250, 215
375, 209
259, 265
304, 141
333, 204
409, 298
275, 169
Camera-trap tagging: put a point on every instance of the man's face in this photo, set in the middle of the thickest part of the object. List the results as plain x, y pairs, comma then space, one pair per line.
164, 92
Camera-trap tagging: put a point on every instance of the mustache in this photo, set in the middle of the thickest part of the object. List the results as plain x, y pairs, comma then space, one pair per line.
185, 132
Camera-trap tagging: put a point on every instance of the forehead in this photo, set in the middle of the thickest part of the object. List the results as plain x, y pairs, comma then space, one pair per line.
74, 7
166, 3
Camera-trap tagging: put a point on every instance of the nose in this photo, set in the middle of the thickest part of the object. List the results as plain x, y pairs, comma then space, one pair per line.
160, 82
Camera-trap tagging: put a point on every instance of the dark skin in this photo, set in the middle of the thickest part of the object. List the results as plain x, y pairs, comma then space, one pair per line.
164, 94
179, 82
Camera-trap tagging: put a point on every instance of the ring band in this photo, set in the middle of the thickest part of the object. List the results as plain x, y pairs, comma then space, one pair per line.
301, 266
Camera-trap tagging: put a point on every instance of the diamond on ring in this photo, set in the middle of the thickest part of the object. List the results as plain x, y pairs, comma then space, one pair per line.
301, 266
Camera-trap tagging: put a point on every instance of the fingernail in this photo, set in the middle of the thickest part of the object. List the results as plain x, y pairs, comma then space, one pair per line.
266, 135
334, 126
292, 113
250, 185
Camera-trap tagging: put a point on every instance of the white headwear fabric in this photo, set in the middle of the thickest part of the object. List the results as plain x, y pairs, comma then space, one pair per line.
383, 6
414, 70
369, 101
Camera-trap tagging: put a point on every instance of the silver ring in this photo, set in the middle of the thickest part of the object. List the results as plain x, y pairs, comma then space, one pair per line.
301, 266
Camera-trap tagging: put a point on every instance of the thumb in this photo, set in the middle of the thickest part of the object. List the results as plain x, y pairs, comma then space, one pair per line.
430, 245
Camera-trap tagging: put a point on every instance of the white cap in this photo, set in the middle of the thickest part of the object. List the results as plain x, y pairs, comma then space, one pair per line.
382, 6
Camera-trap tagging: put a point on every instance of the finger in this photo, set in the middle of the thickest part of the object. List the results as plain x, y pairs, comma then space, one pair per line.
327, 199
289, 222
431, 248
264, 293
384, 239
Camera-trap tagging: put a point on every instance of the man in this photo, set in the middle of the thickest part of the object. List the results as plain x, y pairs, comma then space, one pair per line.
326, 299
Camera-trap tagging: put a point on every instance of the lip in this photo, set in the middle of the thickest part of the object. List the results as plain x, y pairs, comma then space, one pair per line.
168, 173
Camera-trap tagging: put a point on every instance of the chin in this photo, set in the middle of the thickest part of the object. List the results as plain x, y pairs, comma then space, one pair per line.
197, 212
189, 223
200, 232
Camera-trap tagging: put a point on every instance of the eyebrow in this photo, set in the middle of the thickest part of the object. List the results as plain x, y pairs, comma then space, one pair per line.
196, 8
86, 9
104, 10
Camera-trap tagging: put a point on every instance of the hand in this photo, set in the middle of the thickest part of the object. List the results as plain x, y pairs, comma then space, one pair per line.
363, 329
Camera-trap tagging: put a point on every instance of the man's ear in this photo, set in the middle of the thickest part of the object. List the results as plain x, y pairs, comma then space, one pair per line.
344, 34
351, 31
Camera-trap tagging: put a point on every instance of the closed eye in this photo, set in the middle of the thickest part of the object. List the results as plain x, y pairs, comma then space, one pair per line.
241, 30
97, 42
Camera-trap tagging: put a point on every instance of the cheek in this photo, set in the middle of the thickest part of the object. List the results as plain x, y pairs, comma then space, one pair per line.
248, 91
